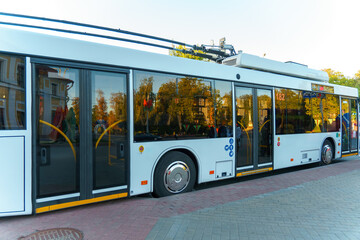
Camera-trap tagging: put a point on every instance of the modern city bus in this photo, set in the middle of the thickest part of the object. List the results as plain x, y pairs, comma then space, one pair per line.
84, 121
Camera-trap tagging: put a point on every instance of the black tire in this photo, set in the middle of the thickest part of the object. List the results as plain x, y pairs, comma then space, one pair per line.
174, 174
327, 153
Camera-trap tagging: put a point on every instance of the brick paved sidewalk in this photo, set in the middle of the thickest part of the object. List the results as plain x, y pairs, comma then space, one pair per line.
141, 217
324, 209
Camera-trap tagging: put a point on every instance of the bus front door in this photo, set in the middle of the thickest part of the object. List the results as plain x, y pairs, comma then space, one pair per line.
253, 130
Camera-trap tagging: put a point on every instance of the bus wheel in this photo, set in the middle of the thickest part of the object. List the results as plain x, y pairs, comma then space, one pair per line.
327, 153
174, 174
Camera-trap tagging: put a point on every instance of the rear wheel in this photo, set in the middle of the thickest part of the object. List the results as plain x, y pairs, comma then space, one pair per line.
327, 153
174, 174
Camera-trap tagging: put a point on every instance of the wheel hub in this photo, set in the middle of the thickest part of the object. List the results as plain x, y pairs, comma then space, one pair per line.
177, 177
327, 154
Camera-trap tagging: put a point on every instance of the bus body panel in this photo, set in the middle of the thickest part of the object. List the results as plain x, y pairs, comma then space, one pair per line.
12, 174
296, 149
209, 153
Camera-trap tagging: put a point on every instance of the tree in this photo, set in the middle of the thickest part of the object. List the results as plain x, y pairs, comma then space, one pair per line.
338, 78
101, 107
357, 75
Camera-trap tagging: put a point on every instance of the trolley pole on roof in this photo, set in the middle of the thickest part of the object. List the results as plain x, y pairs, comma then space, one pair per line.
211, 52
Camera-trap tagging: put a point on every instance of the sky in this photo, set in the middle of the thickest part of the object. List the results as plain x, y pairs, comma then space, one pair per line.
318, 33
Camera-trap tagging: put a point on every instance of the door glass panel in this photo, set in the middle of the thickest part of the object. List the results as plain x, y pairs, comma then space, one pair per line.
58, 130
244, 126
109, 128
264, 125
345, 106
354, 130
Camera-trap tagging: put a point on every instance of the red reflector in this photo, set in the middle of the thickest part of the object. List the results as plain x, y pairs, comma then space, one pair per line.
211, 172
339, 144
292, 160
144, 182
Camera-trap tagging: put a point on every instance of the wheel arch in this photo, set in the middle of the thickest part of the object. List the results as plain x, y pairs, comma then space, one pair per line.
332, 141
186, 150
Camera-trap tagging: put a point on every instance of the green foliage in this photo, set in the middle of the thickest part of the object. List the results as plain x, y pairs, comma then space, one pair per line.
339, 78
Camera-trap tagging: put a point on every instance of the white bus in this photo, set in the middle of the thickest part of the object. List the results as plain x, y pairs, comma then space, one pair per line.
84, 122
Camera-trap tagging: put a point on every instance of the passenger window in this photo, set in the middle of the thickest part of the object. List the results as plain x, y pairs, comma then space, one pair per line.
179, 107
12, 92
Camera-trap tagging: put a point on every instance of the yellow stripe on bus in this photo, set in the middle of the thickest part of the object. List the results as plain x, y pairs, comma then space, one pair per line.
81, 202
254, 171
350, 154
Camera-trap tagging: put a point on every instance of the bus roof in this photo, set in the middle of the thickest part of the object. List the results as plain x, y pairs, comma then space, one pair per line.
35, 44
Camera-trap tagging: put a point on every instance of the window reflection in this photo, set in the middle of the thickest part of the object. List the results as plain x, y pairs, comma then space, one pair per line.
177, 107
244, 126
12, 92
306, 112
109, 128
58, 130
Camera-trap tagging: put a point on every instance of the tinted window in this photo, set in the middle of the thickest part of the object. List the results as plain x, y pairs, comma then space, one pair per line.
305, 112
331, 113
58, 131
12, 92
178, 107
109, 112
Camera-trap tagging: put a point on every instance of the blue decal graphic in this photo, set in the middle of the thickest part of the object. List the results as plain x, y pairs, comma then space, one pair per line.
230, 147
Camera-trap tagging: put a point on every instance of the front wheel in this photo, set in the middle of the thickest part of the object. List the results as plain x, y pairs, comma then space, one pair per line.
327, 153
174, 174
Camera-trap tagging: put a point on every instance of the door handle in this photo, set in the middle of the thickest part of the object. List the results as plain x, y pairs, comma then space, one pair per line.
43, 156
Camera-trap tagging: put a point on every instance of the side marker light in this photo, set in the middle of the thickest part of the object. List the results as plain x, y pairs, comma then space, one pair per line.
211, 172
145, 182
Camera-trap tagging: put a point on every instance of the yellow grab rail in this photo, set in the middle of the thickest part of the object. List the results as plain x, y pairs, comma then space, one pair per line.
106, 130
264, 124
63, 134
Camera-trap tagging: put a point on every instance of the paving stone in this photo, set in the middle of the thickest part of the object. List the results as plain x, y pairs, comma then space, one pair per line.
322, 209
310, 203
